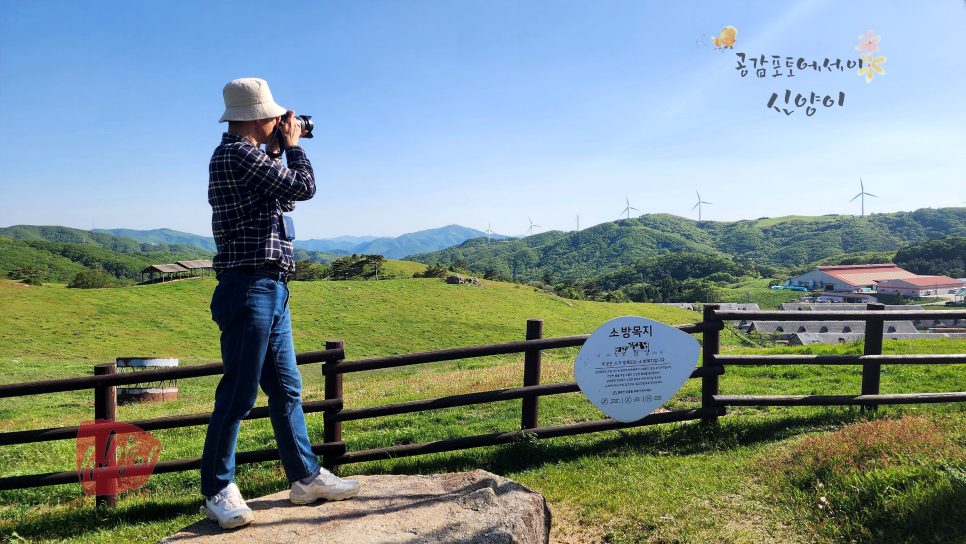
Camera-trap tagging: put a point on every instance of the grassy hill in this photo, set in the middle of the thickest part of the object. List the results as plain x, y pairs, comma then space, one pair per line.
668, 483
374, 318
786, 242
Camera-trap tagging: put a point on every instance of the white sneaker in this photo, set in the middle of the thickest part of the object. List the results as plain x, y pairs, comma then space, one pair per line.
325, 486
229, 508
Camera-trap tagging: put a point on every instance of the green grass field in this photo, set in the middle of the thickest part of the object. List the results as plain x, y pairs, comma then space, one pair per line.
670, 483
785, 218
758, 291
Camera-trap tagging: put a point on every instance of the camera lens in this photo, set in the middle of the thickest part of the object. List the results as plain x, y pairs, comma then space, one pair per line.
305, 123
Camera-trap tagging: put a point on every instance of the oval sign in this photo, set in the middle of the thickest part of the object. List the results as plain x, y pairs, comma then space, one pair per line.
630, 366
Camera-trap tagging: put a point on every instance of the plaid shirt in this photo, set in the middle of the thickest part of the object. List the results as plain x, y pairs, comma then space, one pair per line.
248, 191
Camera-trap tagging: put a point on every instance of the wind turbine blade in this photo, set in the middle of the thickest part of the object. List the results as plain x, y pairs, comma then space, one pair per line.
697, 193
856, 196
633, 209
706, 203
870, 194
695, 206
578, 219
862, 185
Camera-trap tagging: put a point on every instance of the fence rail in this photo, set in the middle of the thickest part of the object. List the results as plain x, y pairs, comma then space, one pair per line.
334, 367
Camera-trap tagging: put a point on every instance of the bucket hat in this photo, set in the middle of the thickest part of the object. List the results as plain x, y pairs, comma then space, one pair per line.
249, 99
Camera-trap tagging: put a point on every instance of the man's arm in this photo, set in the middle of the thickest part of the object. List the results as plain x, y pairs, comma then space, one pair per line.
270, 178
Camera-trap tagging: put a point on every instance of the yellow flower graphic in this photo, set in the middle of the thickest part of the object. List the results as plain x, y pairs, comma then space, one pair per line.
872, 65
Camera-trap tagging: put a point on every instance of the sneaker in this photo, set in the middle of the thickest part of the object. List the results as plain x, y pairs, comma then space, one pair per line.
324, 486
229, 508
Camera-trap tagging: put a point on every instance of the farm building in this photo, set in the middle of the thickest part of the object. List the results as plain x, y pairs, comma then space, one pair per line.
920, 286
788, 328
807, 338
822, 307
845, 278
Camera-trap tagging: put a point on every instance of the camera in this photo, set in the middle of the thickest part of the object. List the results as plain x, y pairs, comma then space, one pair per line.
305, 123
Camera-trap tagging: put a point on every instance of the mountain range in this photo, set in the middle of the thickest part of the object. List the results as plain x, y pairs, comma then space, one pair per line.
389, 247
784, 242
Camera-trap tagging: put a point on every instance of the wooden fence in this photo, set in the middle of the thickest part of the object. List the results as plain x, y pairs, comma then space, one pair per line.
334, 367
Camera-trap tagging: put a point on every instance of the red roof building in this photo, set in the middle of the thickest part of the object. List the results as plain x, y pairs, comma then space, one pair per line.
850, 277
920, 286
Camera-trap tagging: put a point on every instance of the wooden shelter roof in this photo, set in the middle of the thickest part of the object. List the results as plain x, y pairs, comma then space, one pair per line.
194, 265
164, 268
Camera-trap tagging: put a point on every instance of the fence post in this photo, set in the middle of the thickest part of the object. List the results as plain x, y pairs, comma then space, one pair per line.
105, 407
711, 347
532, 360
873, 346
332, 430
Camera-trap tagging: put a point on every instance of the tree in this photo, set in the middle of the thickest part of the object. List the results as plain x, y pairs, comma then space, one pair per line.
91, 279
27, 274
548, 278
591, 290
371, 265
306, 270
347, 267
435, 271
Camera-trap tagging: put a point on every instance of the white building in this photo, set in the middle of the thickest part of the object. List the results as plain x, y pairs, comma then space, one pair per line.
846, 278
921, 286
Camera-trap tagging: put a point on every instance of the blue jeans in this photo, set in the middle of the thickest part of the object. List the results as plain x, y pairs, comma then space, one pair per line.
256, 348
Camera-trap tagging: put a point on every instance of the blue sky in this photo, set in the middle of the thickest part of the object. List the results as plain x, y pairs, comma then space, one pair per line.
437, 112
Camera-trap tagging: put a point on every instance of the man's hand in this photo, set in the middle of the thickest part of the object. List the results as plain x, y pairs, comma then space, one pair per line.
291, 130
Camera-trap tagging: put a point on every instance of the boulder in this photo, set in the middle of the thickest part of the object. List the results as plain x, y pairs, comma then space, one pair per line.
466, 508
456, 279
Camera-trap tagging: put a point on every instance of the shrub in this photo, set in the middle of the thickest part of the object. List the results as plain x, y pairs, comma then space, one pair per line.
877, 481
91, 279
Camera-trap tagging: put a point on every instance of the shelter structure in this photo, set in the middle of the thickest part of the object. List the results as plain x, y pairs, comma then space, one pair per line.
180, 269
202, 267
164, 271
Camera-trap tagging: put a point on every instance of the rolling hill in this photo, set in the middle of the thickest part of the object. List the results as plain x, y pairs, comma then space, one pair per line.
374, 318
781, 242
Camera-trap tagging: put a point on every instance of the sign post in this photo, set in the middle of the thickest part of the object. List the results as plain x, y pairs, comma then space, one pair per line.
630, 366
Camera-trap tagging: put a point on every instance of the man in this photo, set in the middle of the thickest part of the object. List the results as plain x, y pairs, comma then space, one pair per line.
248, 190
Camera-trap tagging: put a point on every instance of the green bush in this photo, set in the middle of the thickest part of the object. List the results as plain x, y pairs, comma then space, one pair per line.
91, 279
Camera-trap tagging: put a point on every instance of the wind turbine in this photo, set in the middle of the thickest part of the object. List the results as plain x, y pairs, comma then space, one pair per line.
488, 232
698, 205
862, 194
578, 220
530, 231
628, 208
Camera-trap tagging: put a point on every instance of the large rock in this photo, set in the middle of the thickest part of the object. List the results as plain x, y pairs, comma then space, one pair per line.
465, 508
456, 279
